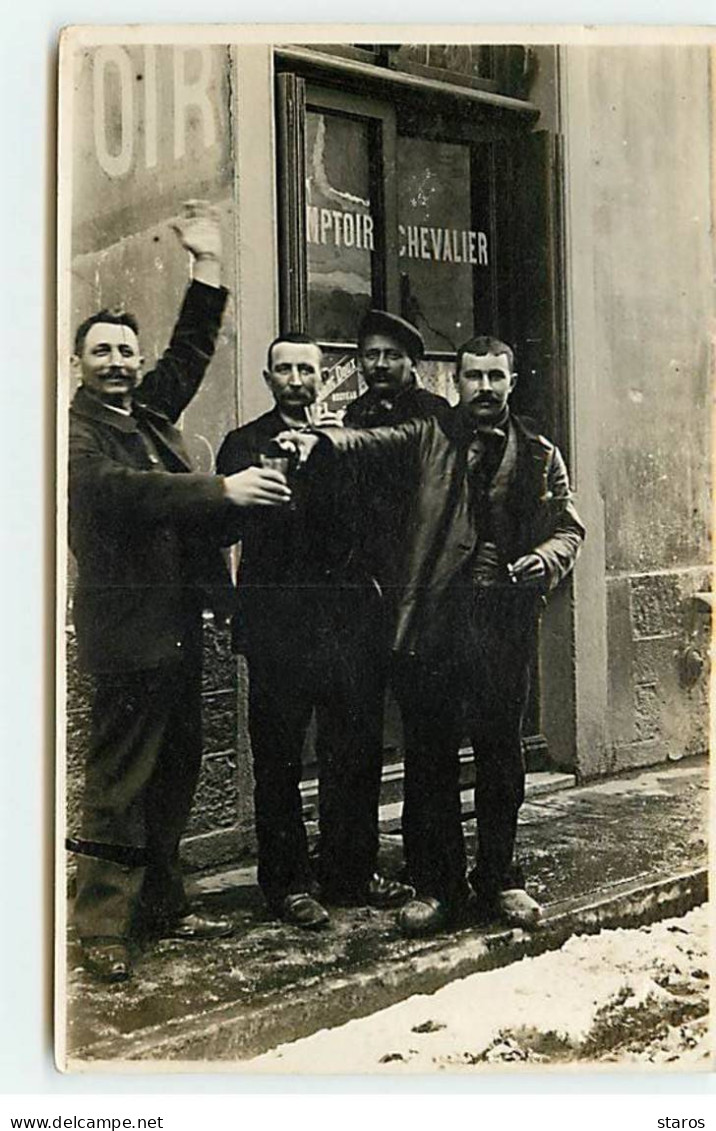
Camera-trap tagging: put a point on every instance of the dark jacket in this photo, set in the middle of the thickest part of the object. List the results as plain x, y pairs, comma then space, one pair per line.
145, 536
372, 410
429, 459
290, 556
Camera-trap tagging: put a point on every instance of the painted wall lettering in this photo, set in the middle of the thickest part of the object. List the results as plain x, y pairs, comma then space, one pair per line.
194, 94
126, 123
112, 75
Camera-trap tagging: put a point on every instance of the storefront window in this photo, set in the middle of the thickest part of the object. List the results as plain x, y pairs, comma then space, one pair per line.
340, 224
444, 240
420, 241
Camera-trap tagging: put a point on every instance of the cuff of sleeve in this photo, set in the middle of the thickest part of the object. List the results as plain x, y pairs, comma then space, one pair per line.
548, 579
212, 487
204, 300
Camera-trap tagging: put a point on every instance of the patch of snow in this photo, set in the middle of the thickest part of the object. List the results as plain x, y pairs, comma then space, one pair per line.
650, 784
625, 995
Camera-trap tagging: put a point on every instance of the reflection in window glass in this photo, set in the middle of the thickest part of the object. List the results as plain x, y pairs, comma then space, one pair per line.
340, 225
444, 252
438, 377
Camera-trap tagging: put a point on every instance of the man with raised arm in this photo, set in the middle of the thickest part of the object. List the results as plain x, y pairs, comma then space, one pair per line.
145, 530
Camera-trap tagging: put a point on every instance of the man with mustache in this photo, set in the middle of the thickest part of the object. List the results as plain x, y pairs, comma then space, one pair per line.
389, 352
145, 530
491, 531
300, 624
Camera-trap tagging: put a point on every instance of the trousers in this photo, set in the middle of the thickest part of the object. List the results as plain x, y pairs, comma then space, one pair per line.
478, 688
141, 773
337, 667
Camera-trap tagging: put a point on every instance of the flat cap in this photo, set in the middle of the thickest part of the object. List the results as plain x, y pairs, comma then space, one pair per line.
381, 322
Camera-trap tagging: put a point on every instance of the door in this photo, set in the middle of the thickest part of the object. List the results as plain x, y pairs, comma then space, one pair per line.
439, 209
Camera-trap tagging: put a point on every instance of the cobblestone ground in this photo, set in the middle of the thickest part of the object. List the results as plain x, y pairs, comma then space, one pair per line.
624, 997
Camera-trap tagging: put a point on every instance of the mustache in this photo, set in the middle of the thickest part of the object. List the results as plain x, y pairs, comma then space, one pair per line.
116, 371
300, 396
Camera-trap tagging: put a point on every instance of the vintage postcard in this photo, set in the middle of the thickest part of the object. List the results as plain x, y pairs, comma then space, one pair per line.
384, 559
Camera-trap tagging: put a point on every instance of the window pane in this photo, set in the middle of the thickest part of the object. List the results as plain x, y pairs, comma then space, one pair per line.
340, 224
443, 240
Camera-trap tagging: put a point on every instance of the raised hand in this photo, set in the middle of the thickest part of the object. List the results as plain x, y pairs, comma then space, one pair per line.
199, 232
257, 487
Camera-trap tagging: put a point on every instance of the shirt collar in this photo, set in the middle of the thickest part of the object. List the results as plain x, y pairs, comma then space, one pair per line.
499, 427
87, 405
389, 398
116, 408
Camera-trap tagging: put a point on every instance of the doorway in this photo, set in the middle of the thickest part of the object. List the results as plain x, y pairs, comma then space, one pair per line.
442, 208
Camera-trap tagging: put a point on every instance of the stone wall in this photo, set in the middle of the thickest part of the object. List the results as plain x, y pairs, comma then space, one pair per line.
644, 219
153, 127
221, 824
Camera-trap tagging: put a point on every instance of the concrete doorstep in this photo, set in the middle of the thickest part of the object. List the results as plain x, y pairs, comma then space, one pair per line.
620, 853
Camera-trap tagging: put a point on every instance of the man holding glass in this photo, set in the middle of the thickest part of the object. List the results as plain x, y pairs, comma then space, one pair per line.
297, 625
145, 530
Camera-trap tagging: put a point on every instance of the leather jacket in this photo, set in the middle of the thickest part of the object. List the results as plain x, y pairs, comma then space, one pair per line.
428, 459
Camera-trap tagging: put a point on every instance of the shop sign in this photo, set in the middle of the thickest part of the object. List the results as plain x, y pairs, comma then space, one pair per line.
356, 229
443, 245
339, 228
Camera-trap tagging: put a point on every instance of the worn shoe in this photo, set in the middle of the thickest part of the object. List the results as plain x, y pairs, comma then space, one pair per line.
108, 960
385, 894
194, 927
421, 917
518, 909
379, 892
302, 910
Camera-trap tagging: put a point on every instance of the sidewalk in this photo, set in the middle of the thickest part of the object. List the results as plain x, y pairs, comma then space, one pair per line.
620, 852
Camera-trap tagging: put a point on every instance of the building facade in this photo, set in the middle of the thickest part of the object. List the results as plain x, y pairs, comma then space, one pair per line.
559, 197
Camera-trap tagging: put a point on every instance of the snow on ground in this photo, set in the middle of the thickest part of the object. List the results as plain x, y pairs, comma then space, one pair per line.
629, 996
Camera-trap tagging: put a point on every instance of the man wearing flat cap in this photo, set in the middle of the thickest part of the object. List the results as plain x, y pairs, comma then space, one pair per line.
389, 349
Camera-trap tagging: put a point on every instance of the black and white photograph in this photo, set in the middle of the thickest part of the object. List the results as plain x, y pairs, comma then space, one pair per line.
384, 564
